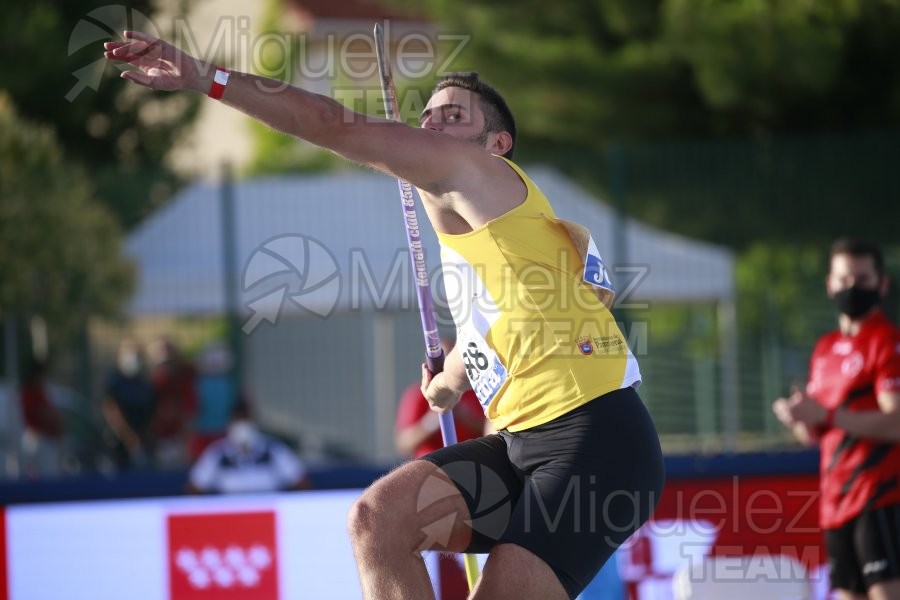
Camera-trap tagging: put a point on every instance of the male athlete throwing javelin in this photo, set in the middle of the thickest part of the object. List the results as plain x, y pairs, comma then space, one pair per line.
575, 467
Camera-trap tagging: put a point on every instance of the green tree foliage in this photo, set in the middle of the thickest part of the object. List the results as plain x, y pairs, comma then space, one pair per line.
782, 287
644, 69
120, 133
802, 190
764, 66
60, 251
574, 69
740, 120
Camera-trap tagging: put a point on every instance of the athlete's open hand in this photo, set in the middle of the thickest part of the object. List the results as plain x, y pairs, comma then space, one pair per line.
161, 65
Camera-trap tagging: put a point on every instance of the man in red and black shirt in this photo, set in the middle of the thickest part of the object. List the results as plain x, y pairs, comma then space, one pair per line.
851, 408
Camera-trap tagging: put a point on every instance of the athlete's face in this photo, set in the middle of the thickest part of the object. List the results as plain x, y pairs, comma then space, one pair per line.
456, 112
847, 271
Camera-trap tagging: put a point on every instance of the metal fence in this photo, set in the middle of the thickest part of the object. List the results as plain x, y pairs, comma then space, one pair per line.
334, 383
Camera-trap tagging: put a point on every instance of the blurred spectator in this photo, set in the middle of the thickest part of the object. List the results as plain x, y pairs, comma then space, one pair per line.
43, 424
850, 408
417, 428
129, 405
247, 460
174, 380
417, 431
217, 395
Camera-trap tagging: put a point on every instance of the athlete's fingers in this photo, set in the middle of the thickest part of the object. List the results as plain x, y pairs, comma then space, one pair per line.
116, 56
426, 377
140, 35
114, 44
115, 52
137, 77
129, 52
150, 49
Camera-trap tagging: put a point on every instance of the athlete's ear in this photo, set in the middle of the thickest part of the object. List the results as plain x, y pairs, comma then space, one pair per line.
884, 285
502, 143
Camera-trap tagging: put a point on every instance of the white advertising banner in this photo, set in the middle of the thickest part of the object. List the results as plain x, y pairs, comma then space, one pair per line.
260, 547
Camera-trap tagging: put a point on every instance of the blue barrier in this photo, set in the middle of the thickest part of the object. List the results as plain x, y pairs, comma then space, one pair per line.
149, 484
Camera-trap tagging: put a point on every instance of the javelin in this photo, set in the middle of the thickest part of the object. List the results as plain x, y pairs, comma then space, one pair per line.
434, 355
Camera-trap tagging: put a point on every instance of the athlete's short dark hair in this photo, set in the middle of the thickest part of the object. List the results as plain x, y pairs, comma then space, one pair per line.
497, 116
858, 248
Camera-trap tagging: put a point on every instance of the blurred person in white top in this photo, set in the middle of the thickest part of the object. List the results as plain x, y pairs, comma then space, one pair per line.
247, 460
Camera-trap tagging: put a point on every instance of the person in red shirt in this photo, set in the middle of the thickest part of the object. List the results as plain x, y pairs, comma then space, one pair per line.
417, 427
44, 424
174, 380
39, 413
851, 409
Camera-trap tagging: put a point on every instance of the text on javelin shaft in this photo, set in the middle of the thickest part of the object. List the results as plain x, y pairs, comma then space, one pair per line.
412, 226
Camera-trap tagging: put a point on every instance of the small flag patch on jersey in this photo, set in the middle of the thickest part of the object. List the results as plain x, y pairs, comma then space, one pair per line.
594, 271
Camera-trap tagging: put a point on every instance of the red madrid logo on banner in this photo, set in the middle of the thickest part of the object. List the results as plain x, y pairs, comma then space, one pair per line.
225, 556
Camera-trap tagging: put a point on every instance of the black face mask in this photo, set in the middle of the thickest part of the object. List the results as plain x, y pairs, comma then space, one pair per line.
856, 301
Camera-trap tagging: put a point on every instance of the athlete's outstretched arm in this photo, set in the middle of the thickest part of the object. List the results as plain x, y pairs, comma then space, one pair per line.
430, 161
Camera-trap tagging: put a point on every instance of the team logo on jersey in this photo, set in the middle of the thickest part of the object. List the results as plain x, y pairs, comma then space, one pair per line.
852, 365
585, 346
842, 347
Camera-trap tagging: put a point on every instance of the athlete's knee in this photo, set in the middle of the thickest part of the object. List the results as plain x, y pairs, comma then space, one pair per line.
380, 513
362, 519
370, 517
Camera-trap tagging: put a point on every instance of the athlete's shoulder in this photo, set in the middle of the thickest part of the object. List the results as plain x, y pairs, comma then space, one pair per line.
535, 196
515, 166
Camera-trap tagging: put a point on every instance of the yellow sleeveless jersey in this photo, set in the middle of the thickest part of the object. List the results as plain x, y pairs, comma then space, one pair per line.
529, 296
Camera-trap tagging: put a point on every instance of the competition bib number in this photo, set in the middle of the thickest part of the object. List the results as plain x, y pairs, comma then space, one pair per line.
475, 361
483, 367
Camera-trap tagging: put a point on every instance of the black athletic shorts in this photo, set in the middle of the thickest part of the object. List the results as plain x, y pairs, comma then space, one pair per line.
570, 491
866, 550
